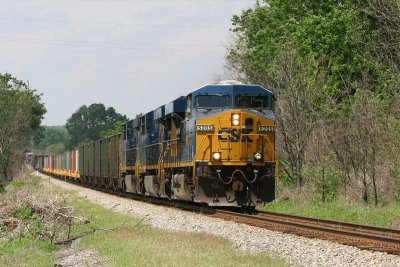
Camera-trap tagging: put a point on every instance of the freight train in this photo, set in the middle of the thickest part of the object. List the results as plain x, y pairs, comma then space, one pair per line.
215, 146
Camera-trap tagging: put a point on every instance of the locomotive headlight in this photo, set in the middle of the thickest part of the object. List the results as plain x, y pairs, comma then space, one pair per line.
235, 119
258, 156
217, 156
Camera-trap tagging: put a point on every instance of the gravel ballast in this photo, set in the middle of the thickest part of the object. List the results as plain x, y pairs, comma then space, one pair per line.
297, 250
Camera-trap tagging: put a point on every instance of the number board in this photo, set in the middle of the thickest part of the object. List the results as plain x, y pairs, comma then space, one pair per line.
264, 128
204, 128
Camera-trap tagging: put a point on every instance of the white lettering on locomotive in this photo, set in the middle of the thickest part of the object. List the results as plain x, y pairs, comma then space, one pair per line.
204, 128
264, 128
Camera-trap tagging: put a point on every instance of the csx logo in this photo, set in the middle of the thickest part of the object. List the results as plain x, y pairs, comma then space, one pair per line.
234, 135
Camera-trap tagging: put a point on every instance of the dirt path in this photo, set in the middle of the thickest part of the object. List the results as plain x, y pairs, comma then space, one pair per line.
72, 256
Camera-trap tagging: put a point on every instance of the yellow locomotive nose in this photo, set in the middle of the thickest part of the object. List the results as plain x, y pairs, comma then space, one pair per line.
233, 138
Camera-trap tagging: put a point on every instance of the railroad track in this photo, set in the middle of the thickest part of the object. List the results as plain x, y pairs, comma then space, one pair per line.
362, 236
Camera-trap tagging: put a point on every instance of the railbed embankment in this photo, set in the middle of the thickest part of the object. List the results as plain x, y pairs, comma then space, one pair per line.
296, 250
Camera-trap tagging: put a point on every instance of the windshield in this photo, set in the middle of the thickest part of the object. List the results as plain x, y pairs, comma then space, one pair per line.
213, 101
251, 101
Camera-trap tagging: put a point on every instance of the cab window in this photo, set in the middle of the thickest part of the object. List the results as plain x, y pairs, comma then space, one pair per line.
252, 101
213, 101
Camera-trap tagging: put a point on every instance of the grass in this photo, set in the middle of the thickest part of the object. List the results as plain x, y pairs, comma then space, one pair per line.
24, 250
134, 244
125, 241
386, 216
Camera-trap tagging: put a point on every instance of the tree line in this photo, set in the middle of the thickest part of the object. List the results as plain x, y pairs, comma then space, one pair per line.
21, 114
87, 124
333, 66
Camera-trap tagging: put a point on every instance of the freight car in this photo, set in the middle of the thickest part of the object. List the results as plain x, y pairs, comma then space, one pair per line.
216, 146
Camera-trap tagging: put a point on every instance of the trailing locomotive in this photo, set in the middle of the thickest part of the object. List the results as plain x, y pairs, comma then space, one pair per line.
216, 146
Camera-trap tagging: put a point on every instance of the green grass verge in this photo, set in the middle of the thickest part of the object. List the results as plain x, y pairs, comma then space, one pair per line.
26, 252
387, 216
127, 242
134, 244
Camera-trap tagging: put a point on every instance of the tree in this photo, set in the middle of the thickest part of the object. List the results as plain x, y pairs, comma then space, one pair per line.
20, 117
298, 86
387, 15
338, 31
54, 139
364, 140
117, 128
87, 123
319, 158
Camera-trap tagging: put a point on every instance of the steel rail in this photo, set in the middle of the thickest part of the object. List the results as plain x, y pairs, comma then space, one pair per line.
360, 228
366, 237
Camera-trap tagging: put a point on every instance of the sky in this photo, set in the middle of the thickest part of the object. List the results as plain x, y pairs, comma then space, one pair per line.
133, 55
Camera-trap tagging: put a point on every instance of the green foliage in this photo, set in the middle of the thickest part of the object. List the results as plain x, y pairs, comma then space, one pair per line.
286, 177
23, 213
35, 181
396, 175
56, 148
27, 251
338, 210
325, 183
20, 115
340, 32
54, 140
16, 184
113, 131
87, 123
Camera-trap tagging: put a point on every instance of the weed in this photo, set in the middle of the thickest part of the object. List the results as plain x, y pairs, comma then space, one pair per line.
22, 213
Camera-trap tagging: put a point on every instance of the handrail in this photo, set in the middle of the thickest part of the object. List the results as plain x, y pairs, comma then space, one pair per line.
201, 145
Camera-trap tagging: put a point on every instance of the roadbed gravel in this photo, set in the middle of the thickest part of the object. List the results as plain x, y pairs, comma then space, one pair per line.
296, 250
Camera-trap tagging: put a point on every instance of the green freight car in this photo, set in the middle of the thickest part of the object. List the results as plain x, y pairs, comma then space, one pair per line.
99, 161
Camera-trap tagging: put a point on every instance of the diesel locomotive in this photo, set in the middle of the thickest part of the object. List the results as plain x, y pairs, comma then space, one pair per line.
215, 146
